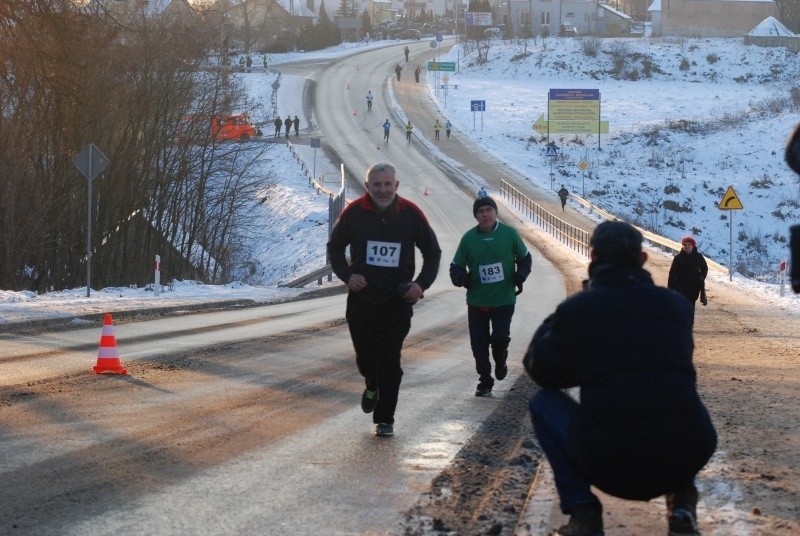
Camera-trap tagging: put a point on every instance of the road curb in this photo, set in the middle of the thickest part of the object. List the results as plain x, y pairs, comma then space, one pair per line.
535, 517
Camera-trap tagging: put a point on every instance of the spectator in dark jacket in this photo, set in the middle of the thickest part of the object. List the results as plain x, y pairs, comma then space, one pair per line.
687, 275
640, 429
287, 124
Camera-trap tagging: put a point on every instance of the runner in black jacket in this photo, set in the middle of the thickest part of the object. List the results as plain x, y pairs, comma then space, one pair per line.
382, 230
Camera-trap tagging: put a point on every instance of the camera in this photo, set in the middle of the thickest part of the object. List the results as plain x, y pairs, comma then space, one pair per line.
793, 159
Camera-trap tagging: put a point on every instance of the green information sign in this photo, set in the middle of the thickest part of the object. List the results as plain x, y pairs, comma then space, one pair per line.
442, 66
586, 127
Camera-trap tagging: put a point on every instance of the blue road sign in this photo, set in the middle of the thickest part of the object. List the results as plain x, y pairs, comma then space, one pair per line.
552, 150
477, 106
439, 37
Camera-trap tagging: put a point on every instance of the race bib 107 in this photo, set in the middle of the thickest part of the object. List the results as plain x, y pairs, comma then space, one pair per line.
384, 254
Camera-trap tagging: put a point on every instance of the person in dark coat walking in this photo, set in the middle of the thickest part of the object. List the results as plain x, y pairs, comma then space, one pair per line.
398, 70
563, 194
296, 124
278, 124
287, 124
417, 72
640, 429
687, 274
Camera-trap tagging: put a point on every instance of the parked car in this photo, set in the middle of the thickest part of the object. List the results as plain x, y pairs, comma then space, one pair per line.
568, 31
238, 127
493, 33
388, 25
409, 33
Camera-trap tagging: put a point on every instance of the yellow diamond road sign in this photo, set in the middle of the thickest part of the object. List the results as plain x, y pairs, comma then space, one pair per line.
730, 201
583, 165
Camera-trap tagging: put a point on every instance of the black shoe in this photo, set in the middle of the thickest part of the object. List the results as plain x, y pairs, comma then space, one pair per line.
500, 356
483, 390
681, 512
500, 371
368, 400
682, 523
585, 520
384, 430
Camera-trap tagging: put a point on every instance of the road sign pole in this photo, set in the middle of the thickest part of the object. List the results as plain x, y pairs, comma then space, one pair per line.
90, 162
730, 257
89, 226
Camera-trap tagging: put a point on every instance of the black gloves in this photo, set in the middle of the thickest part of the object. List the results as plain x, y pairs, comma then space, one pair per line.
518, 280
459, 276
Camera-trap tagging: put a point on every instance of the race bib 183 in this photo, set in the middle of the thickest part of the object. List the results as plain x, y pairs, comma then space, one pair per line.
491, 273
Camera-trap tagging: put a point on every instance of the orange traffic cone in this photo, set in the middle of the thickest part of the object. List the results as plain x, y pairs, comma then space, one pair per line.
108, 356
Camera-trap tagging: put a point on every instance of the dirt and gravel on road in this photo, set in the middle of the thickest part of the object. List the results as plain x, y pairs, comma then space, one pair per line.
747, 356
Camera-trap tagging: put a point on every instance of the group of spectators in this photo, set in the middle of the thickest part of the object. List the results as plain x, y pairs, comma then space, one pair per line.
287, 124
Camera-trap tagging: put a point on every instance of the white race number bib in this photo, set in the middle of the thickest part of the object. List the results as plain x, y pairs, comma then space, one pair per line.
384, 254
491, 273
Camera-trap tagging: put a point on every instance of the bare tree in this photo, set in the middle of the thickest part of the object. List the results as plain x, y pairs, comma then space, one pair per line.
72, 74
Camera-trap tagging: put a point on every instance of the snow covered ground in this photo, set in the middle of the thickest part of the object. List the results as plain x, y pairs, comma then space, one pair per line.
712, 113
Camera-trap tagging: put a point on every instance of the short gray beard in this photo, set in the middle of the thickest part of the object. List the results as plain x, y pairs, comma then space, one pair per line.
381, 206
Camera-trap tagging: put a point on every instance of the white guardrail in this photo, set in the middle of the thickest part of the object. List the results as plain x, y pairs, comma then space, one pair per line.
573, 236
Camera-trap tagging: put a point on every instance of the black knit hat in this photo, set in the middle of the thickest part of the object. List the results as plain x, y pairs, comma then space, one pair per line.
617, 242
485, 201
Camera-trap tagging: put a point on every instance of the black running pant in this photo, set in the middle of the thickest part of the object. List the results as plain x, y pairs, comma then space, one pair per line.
378, 331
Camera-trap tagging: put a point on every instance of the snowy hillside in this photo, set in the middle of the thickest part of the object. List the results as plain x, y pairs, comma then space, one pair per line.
688, 119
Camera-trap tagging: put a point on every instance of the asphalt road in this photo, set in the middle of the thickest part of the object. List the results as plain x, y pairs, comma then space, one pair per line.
248, 421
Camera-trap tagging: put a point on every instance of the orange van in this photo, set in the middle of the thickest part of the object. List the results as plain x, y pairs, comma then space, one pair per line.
233, 127
236, 127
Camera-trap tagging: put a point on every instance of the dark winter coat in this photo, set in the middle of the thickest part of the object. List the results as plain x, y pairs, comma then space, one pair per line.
403, 223
687, 275
641, 429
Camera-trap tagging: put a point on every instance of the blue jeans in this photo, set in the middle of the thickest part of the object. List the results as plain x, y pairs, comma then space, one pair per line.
552, 412
481, 337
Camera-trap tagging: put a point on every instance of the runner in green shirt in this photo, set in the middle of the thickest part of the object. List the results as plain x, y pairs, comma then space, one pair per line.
492, 263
